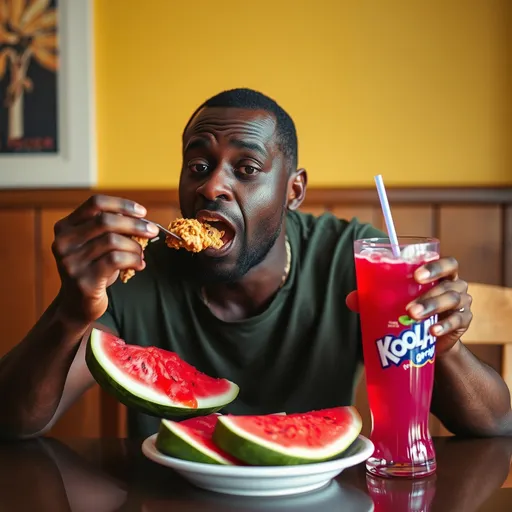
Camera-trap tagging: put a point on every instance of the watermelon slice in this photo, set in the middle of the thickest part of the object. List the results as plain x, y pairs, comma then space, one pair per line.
292, 439
192, 440
154, 381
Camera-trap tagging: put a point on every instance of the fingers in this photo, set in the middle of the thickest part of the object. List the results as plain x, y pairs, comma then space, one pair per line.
114, 261
105, 269
118, 250
101, 203
438, 304
352, 301
75, 237
456, 320
459, 286
446, 297
447, 268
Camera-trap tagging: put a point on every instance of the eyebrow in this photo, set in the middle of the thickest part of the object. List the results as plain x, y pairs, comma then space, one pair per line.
252, 146
197, 143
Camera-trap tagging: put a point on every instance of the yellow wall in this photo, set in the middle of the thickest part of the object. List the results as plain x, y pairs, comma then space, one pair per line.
419, 91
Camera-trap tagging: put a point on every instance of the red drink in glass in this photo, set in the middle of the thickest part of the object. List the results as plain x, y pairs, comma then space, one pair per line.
399, 355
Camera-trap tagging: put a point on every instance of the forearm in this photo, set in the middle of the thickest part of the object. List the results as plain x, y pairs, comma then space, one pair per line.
469, 397
33, 374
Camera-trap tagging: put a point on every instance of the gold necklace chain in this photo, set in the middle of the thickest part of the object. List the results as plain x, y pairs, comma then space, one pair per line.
285, 274
288, 261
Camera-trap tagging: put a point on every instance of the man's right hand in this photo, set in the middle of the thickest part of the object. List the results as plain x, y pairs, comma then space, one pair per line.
91, 246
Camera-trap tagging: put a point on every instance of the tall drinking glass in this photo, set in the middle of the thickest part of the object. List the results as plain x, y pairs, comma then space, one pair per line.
399, 354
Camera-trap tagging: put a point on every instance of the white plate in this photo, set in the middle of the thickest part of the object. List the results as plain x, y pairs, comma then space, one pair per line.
261, 480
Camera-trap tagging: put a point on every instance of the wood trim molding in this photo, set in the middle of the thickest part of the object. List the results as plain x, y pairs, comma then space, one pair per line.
62, 198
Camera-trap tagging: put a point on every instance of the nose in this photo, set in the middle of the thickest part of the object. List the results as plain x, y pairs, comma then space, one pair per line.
216, 186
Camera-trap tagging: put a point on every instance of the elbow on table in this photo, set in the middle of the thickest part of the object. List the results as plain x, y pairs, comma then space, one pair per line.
491, 427
505, 425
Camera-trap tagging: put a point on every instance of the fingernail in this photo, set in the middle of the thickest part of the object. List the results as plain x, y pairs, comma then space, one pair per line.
151, 228
416, 310
139, 209
437, 330
422, 274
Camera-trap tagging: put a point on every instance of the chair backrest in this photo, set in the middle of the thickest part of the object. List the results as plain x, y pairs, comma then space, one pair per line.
492, 315
492, 322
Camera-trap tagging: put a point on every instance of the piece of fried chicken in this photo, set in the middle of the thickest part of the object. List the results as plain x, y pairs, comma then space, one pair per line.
127, 274
195, 237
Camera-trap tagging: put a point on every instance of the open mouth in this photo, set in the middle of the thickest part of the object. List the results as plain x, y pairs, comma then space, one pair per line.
229, 233
220, 224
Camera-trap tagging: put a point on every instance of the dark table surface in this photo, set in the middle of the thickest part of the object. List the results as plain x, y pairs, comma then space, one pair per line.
113, 475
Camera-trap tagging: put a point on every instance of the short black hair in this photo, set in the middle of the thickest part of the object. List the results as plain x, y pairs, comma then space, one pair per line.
254, 100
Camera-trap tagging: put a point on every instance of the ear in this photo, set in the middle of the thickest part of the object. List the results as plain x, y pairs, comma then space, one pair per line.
297, 183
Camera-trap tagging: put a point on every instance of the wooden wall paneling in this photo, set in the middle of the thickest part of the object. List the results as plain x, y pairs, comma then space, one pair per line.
411, 220
506, 353
64, 198
50, 281
473, 234
507, 246
83, 418
18, 264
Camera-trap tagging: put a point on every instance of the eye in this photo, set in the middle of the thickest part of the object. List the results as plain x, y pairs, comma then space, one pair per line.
200, 168
248, 170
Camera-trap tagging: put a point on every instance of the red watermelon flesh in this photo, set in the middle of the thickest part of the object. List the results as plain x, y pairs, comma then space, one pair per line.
154, 375
200, 430
164, 370
205, 424
192, 440
296, 438
315, 429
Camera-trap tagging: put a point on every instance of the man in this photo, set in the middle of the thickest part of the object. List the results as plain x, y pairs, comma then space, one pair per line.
267, 311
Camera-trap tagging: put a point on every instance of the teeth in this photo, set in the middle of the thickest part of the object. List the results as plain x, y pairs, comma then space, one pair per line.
210, 219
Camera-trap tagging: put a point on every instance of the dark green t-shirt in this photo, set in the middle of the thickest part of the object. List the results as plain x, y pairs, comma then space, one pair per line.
302, 353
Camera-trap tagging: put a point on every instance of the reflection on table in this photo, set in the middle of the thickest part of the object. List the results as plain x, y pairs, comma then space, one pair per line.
112, 474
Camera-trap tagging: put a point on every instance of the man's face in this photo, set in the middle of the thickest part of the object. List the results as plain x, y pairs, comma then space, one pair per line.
234, 172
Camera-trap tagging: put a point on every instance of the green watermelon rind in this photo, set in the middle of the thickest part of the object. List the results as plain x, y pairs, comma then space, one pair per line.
146, 405
173, 440
257, 451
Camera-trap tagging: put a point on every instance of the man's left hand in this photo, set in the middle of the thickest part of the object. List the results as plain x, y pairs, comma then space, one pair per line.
449, 299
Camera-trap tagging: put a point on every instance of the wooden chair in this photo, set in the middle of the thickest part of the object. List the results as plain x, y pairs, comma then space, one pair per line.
492, 322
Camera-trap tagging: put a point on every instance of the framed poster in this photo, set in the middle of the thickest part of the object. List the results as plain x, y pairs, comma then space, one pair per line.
46, 94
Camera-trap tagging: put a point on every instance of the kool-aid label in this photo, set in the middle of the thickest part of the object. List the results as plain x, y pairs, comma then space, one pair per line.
415, 345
